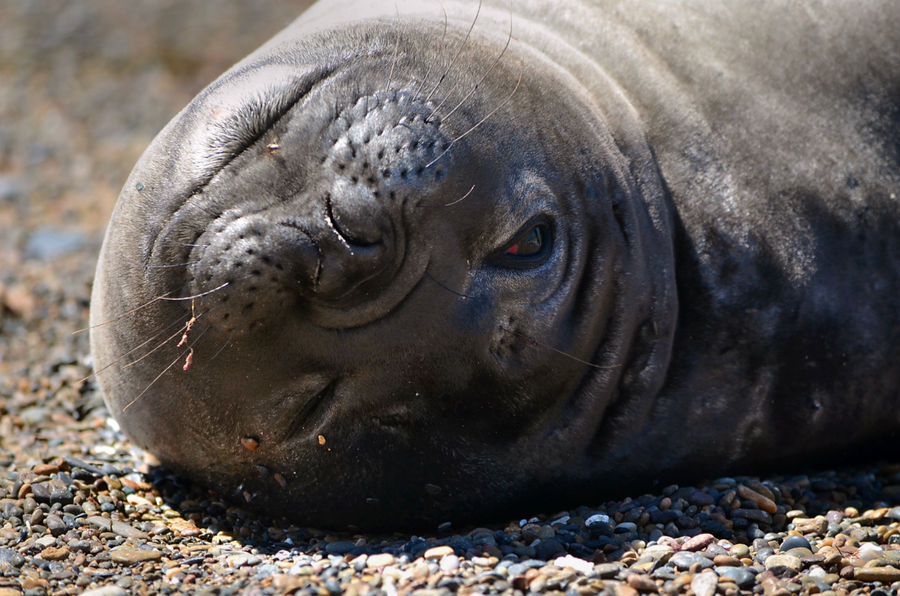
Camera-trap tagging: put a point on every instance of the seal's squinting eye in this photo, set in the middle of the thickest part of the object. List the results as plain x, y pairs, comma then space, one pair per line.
529, 248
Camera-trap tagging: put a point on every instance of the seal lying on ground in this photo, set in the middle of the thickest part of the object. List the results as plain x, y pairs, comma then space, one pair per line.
403, 265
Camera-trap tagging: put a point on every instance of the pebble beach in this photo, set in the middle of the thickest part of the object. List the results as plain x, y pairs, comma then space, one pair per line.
84, 87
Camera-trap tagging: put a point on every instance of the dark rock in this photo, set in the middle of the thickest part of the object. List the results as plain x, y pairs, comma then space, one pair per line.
41, 492
340, 547
55, 524
548, 548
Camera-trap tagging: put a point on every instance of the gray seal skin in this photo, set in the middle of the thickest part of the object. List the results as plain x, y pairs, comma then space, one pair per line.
414, 276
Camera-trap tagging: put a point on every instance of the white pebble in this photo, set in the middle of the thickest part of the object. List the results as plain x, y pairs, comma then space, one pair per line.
579, 565
869, 551
238, 560
597, 518
138, 500
704, 584
449, 563
45, 541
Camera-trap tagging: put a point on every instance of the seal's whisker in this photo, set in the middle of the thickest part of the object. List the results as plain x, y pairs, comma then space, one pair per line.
481, 80
538, 344
430, 66
444, 287
137, 347
123, 315
459, 50
226, 343
200, 295
185, 353
477, 124
158, 346
188, 264
451, 203
396, 50
454, 202
189, 245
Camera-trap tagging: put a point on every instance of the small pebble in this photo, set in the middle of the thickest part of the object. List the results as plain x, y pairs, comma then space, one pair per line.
685, 560
641, 583
742, 576
789, 561
704, 584
579, 565
795, 542
134, 555
380, 560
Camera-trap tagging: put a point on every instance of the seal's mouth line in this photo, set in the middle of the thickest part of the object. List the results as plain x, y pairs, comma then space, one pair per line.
311, 416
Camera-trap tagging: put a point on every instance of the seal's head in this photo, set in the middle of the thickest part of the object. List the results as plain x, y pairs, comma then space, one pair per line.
358, 282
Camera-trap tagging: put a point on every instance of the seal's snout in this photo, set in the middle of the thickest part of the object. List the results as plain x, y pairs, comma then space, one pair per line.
334, 239
380, 156
256, 264
386, 143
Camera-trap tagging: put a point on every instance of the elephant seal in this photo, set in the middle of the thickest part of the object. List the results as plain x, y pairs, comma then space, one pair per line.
402, 265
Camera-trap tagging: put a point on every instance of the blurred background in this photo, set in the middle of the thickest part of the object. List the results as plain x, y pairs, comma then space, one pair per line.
84, 87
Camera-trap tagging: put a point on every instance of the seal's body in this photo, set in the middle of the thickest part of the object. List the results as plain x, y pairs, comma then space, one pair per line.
420, 268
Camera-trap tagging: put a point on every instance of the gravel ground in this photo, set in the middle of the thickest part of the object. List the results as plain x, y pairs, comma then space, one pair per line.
83, 88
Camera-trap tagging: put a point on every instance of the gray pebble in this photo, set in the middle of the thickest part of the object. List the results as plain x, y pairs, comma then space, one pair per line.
8, 555
763, 553
126, 530
100, 522
795, 542
625, 527
742, 576
608, 570
55, 524
684, 560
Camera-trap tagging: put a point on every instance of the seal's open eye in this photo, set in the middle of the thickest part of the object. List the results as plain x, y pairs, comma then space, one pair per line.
530, 244
529, 248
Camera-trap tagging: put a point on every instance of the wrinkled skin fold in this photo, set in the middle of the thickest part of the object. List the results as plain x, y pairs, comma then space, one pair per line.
397, 267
